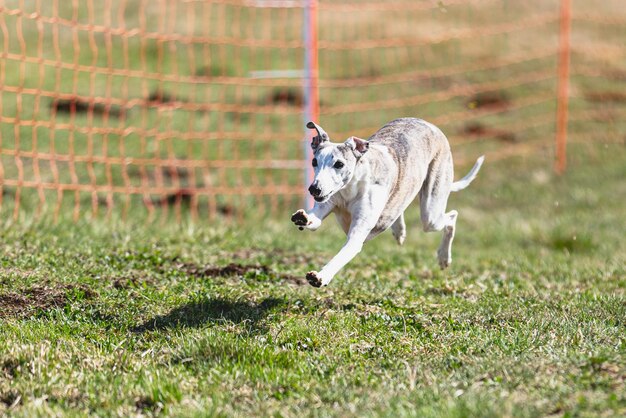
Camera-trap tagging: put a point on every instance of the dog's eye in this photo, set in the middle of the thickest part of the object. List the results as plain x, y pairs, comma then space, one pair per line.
314, 162
338, 165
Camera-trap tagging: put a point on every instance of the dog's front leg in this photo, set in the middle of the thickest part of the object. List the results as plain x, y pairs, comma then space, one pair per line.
364, 218
351, 248
313, 219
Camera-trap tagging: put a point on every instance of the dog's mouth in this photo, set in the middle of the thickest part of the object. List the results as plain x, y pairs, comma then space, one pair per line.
324, 198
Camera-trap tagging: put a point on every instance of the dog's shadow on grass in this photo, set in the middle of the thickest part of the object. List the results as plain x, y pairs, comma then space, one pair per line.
212, 310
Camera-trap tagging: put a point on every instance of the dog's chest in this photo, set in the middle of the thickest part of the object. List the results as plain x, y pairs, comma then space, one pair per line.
344, 218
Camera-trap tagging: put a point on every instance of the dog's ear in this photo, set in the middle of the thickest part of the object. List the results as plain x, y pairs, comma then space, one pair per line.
357, 145
318, 139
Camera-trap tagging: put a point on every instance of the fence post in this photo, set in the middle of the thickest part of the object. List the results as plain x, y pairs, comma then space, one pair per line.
560, 162
311, 91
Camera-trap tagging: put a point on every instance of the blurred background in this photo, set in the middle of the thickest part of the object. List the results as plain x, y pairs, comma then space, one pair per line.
159, 109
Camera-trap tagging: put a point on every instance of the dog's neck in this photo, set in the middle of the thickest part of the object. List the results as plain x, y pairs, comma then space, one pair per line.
361, 177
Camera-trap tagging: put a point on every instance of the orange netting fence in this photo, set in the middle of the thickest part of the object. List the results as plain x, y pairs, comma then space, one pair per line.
162, 107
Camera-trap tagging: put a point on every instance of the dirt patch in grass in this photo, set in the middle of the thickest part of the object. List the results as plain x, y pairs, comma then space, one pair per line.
11, 367
184, 197
615, 74
280, 256
76, 105
121, 283
181, 196
39, 298
605, 97
480, 130
264, 261
11, 398
6, 191
146, 403
132, 278
489, 100
159, 97
286, 97
236, 270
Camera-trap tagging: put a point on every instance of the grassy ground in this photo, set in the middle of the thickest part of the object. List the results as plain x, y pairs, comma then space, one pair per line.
121, 320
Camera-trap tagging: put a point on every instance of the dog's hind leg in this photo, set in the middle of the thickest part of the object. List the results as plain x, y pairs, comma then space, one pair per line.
444, 253
447, 223
398, 228
433, 201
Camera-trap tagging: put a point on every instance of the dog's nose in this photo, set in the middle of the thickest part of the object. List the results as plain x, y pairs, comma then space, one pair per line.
314, 190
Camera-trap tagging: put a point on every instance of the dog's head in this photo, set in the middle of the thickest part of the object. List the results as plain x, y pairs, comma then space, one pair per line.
334, 164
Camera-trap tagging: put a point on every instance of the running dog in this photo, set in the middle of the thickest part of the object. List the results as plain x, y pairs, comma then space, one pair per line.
368, 184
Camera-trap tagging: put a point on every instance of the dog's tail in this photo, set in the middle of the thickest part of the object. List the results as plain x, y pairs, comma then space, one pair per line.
465, 181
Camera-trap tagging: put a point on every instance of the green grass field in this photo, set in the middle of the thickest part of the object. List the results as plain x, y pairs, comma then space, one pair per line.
125, 319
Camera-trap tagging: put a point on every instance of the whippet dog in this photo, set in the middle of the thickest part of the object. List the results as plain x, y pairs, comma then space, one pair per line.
368, 184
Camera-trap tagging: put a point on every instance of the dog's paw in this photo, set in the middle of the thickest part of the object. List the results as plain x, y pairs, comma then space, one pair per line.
400, 238
314, 279
300, 219
444, 260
